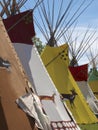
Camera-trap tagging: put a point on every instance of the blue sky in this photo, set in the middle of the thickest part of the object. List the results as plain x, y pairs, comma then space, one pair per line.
88, 18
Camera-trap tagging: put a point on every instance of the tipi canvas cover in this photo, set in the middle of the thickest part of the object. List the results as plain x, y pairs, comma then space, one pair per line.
12, 86
59, 115
80, 74
93, 81
56, 61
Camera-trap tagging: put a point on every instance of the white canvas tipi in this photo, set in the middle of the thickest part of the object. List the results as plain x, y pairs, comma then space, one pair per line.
59, 115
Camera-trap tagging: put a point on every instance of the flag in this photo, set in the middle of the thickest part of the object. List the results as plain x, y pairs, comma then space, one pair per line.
20, 27
80, 73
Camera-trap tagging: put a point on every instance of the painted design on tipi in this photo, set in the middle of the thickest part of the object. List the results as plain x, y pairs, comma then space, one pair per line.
64, 82
80, 74
43, 84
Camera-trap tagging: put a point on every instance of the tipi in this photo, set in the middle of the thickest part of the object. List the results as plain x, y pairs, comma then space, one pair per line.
93, 73
53, 28
59, 115
80, 72
56, 64
13, 84
59, 21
